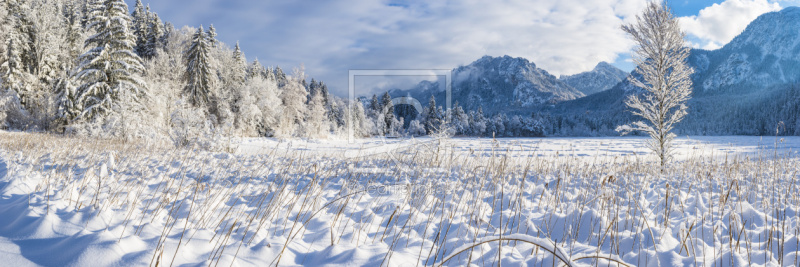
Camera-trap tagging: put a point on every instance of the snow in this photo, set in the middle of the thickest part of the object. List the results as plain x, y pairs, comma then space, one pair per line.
400, 202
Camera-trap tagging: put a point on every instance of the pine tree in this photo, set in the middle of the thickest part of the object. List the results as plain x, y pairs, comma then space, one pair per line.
375, 105
317, 120
459, 120
240, 65
155, 33
139, 27
13, 74
111, 65
434, 119
294, 98
477, 122
74, 32
198, 75
388, 113
357, 120
312, 88
280, 77
212, 36
255, 70
24, 33
66, 102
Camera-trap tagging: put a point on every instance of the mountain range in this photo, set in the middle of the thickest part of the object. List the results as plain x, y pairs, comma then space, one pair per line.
745, 87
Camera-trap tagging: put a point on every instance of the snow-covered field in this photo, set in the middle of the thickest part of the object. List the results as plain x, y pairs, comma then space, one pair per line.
579, 201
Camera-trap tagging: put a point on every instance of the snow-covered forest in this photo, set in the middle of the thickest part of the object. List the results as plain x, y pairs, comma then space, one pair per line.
126, 140
98, 69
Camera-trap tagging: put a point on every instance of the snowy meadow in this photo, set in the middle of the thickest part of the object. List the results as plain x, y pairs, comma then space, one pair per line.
399, 202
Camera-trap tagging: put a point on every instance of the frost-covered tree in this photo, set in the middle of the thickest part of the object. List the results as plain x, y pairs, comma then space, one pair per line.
198, 75
255, 70
155, 33
293, 96
459, 120
477, 122
240, 65
139, 27
110, 66
665, 77
280, 77
317, 121
74, 34
13, 73
434, 117
357, 120
387, 108
212, 36
415, 128
258, 107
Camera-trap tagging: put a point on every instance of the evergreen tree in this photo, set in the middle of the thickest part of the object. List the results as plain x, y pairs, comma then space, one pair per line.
434, 119
198, 75
155, 33
312, 88
388, 112
74, 31
24, 33
139, 26
255, 70
294, 98
459, 120
110, 67
357, 120
212, 36
12, 70
280, 77
240, 65
66, 102
317, 121
375, 105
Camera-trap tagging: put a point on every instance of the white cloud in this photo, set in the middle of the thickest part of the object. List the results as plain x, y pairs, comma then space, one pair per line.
718, 24
331, 37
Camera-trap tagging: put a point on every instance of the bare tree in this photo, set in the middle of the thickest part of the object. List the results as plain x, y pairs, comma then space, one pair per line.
664, 77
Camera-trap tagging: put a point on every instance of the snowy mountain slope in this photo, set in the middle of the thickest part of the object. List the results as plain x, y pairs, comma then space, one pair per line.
604, 76
509, 83
746, 87
766, 53
502, 84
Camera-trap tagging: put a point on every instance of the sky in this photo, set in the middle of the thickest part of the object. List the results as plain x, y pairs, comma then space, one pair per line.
329, 38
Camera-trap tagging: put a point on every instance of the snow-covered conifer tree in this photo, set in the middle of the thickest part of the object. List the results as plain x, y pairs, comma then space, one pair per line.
358, 120
477, 122
388, 113
280, 77
255, 70
434, 119
240, 65
212, 36
139, 27
198, 75
13, 74
155, 32
459, 120
317, 121
110, 66
293, 96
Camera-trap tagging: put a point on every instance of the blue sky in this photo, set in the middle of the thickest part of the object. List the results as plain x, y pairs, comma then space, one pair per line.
331, 37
